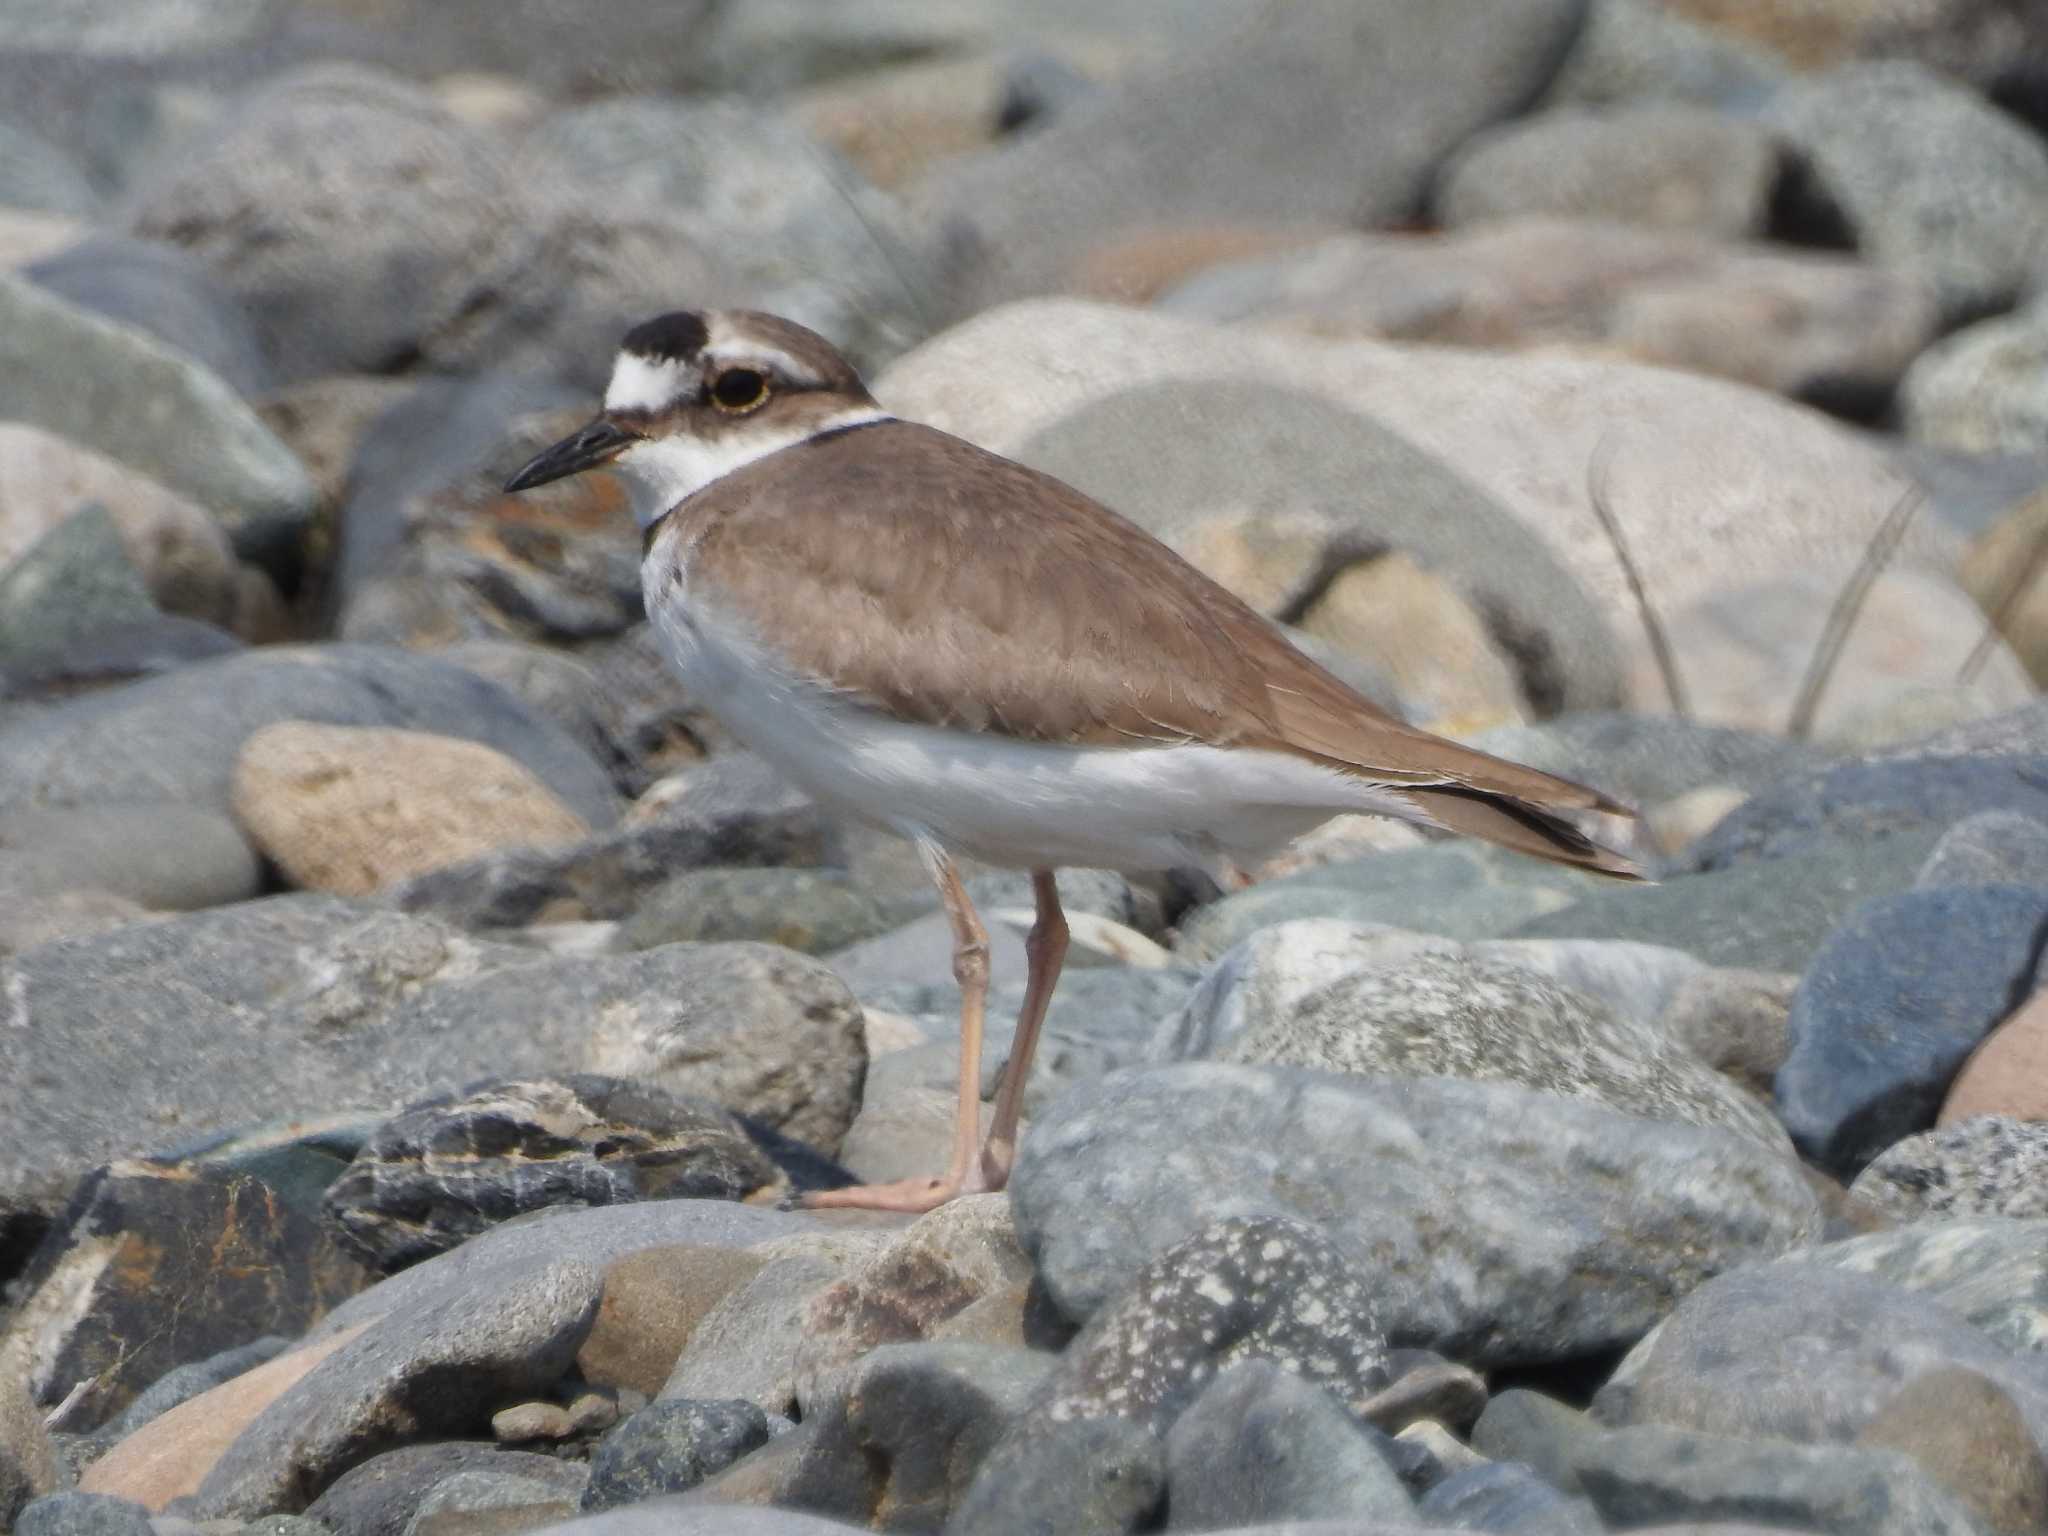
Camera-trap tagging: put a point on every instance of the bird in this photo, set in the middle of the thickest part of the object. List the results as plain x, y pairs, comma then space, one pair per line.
941, 642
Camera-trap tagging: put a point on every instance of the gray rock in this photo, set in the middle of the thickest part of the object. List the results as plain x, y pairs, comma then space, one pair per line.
481, 1490
1924, 176
168, 293
455, 1165
1990, 848
35, 175
82, 1514
1991, 1271
1806, 1353
271, 199
1118, 1173
1488, 1020
28, 1461
1536, 1431
734, 811
1461, 890
594, 1237
188, 1381
1242, 1288
124, 394
1359, 104
73, 581
1646, 759
1638, 1477
670, 1446
1980, 389
559, 687
383, 1496
807, 910
167, 857
1989, 1165
1087, 1477
175, 737
1627, 50
1667, 166
1769, 916
1505, 1496
1262, 1444
684, 1515
1893, 1003
370, 1010
441, 1370
1966, 1434
162, 643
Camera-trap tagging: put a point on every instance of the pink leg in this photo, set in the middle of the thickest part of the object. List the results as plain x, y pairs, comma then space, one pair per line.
1046, 949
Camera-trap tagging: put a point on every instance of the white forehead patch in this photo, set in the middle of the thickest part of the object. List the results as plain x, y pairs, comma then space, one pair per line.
648, 383
660, 472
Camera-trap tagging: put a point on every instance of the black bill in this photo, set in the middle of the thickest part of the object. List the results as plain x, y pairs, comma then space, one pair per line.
598, 442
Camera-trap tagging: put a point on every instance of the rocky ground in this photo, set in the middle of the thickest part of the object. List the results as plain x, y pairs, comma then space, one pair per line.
415, 1016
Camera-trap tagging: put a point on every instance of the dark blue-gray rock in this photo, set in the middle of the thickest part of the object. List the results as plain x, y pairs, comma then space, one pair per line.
1483, 1019
1539, 1192
734, 811
272, 196
811, 911
1967, 1435
1762, 915
457, 1164
1262, 1444
1460, 890
366, 1007
162, 643
1509, 1497
1921, 174
35, 175
1805, 1353
1989, 848
1065, 1477
1265, 1288
82, 1514
75, 580
1537, 1431
382, 1495
165, 291
152, 1266
1872, 799
1670, 167
1988, 1165
440, 1371
1892, 1005
1335, 92
176, 737
164, 856
1651, 1476
671, 1446
1991, 1271
125, 394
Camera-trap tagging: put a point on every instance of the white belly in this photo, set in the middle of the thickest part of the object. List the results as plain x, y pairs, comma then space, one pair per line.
1002, 801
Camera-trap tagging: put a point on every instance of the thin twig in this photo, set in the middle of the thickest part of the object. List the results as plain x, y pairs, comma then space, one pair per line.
1653, 630
54, 1419
2002, 611
1834, 635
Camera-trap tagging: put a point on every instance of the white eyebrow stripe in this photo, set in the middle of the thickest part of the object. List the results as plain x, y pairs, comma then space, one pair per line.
753, 354
646, 384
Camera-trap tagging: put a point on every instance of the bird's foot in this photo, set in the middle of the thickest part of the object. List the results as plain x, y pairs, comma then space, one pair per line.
913, 1195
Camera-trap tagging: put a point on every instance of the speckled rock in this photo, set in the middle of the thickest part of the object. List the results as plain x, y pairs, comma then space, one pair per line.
353, 809
1991, 1271
454, 1165
671, 1446
1987, 1166
1115, 1174
1259, 1288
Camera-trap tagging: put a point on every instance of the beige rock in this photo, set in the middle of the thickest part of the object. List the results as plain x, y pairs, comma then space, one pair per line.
531, 1421
895, 123
653, 1301
183, 554
1970, 1437
1682, 820
1694, 460
2008, 1073
1425, 637
351, 809
170, 1455
1998, 570
497, 103
28, 1461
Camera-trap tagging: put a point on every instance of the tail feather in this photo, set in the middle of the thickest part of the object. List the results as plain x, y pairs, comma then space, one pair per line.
1526, 828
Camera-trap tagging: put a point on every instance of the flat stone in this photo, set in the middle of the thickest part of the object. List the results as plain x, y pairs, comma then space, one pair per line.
1965, 1433
1990, 1165
1891, 1006
1262, 1444
1115, 1174
125, 394
1810, 1361
669, 1447
437, 1371
164, 857
455, 1165
485, 1501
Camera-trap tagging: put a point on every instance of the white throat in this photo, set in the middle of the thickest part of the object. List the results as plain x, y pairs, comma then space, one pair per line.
662, 471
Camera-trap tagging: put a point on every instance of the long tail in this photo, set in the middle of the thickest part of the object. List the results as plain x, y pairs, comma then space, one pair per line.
1529, 828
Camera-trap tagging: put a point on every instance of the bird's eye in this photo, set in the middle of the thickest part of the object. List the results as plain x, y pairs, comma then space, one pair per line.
738, 389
